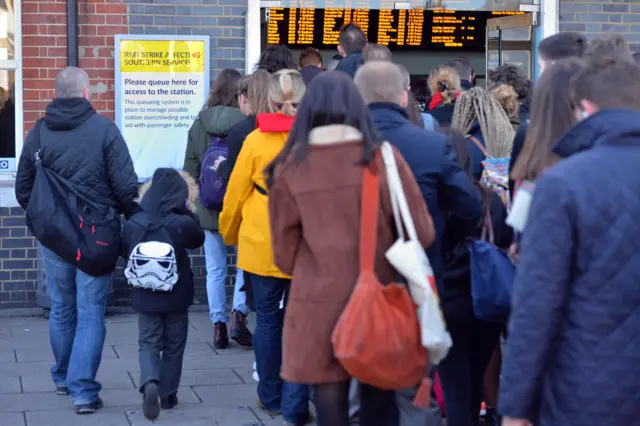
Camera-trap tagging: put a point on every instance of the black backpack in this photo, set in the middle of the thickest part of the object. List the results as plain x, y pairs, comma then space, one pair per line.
152, 262
79, 230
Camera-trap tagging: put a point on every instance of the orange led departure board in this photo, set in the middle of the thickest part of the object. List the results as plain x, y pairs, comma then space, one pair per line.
415, 28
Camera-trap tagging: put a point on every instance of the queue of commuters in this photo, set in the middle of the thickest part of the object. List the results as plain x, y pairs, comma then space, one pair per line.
284, 168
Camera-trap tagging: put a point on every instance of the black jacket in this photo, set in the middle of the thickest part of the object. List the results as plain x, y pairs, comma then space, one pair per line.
350, 64
166, 198
518, 143
85, 148
8, 129
235, 139
443, 113
455, 300
445, 187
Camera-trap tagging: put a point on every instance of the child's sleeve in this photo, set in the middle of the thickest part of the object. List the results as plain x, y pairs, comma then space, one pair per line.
191, 234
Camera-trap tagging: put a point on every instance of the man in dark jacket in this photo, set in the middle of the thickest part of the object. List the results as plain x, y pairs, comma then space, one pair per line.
445, 187
573, 356
88, 151
351, 43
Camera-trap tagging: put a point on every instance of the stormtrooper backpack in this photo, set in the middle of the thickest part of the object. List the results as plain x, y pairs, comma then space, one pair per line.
152, 263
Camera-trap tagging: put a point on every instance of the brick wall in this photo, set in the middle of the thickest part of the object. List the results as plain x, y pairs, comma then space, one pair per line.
594, 18
45, 53
222, 20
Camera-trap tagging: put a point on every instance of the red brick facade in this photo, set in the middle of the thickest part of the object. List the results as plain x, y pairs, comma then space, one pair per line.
44, 50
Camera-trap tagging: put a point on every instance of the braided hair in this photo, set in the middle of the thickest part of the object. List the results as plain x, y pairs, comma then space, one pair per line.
478, 105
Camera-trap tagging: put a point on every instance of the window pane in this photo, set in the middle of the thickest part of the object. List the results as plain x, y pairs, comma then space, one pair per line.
7, 120
7, 25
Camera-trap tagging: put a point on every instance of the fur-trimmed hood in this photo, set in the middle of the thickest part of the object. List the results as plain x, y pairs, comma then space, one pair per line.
192, 186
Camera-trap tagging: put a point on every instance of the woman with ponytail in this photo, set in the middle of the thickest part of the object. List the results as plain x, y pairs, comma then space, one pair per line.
244, 222
444, 84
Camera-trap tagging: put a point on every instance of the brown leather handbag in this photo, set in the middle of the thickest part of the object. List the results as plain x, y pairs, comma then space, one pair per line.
377, 338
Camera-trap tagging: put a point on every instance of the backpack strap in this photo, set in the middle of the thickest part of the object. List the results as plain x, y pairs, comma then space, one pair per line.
479, 145
260, 189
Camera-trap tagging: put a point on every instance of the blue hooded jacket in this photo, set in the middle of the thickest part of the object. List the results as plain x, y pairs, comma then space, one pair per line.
573, 352
445, 187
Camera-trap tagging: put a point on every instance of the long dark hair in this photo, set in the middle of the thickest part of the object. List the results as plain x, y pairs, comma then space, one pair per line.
413, 111
224, 91
276, 58
552, 114
331, 98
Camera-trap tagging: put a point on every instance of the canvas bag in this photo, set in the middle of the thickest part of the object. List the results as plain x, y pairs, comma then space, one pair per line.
212, 186
377, 337
67, 222
495, 175
409, 258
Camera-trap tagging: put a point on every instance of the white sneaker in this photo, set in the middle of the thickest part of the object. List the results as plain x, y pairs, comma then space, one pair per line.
255, 366
255, 376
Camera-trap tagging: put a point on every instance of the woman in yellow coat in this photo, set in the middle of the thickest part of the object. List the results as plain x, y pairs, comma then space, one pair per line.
244, 222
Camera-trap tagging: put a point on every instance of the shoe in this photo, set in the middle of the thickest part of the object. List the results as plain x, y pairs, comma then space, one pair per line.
255, 376
62, 390
220, 336
239, 331
169, 403
262, 407
151, 401
89, 408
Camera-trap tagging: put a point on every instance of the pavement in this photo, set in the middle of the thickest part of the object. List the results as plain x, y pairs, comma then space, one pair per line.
216, 389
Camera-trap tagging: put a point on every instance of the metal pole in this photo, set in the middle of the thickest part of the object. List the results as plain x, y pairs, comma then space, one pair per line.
72, 33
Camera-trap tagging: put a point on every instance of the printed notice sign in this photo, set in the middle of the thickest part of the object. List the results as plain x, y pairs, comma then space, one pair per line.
161, 85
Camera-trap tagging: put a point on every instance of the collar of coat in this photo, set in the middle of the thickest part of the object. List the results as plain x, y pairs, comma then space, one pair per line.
274, 123
334, 133
610, 127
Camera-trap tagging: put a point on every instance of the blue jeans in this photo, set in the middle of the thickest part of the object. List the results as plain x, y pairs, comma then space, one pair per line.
216, 259
76, 326
274, 393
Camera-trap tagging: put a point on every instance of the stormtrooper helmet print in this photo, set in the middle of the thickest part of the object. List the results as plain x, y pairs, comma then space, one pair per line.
152, 265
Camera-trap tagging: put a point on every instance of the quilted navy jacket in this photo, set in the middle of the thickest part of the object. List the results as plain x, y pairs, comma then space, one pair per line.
85, 148
573, 352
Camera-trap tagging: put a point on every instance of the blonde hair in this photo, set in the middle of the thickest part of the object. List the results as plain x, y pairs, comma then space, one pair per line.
286, 90
257, 92
478, 105
508, 98
446, 81
4, 96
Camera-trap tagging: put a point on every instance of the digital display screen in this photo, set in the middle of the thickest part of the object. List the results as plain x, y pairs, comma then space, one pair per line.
398, 29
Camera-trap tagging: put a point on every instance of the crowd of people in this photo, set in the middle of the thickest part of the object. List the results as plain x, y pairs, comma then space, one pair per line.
277, 169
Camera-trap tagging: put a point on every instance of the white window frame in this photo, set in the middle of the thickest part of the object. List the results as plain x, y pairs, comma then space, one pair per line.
15, 65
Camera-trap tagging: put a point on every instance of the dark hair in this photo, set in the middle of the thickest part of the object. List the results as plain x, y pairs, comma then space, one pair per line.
352, 39
376, 52
609, 45
562, 45
463, 67
461, 148
310, 57
636, 57
609, 80
552, 114
224, 91
276, 58
421, 93
512, 76
331, 98
413, 111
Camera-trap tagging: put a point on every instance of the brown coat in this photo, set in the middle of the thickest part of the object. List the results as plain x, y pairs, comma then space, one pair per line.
314, 209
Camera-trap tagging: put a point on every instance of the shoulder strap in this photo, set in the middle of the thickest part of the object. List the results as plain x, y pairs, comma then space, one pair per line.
369, 214
478, 144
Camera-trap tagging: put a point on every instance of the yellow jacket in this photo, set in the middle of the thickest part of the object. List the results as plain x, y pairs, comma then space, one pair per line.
244, 220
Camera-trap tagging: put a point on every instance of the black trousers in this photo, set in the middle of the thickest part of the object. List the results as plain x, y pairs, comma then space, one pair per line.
162, 339
377, 407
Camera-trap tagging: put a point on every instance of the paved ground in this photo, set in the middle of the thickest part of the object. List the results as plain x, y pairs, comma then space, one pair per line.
217, 388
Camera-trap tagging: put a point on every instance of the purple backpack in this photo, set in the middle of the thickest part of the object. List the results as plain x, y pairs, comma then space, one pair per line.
212, 186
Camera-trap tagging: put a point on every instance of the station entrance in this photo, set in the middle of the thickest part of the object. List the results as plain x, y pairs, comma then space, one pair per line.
419, 38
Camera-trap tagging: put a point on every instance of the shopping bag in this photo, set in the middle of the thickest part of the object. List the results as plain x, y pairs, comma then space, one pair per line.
377, 337
409, 258
492, 277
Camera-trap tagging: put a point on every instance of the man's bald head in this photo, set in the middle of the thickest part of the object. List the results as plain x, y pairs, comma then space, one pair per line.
381, 82
72, 82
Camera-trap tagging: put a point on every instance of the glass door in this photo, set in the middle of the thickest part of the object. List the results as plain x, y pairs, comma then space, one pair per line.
510, 40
